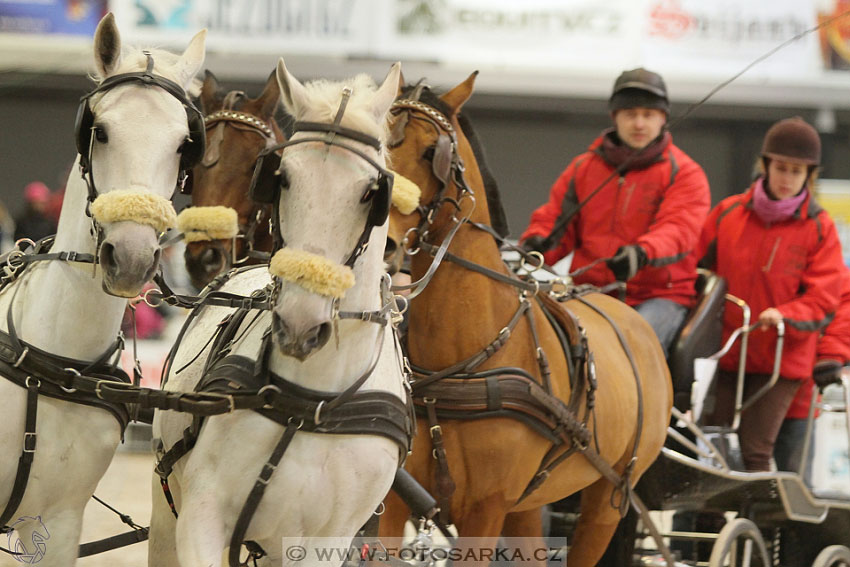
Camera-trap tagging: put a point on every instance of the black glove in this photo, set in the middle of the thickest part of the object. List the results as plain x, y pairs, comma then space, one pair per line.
627, 261
535, 243
827, 371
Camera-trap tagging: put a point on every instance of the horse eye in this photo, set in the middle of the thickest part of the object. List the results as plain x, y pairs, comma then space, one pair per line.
100, 135
429, 153
371, 189
183, 145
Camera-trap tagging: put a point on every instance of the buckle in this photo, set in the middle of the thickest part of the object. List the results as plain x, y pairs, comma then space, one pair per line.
29, 442
21, 358
71, 256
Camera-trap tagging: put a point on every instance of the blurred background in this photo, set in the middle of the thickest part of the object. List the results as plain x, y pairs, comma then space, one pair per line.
546, 70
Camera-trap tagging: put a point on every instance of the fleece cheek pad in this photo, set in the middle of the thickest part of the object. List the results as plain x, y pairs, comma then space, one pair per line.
406, 194
134, 206
312, 272
208, 223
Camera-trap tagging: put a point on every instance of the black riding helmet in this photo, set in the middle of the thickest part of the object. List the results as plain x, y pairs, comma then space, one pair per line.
639, 88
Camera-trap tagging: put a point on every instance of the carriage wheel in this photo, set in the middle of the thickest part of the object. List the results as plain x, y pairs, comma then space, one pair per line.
739, 544
833, 556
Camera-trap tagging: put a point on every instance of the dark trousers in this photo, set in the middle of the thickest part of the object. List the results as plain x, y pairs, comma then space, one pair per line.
760, 423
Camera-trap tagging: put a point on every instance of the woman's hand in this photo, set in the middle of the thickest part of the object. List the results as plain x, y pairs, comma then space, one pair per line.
770, 316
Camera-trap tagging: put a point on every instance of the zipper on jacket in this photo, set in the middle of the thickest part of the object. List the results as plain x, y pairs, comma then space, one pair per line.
772, 255
615, 216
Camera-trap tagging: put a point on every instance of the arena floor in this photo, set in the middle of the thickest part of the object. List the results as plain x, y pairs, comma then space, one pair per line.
126, 487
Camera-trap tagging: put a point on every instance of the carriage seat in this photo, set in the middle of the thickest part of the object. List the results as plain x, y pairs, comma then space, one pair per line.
700, 335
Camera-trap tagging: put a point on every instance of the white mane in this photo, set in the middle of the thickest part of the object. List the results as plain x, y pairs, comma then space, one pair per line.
326, 95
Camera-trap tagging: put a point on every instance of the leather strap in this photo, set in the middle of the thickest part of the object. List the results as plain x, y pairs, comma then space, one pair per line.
256, 495
443, 478
22, 475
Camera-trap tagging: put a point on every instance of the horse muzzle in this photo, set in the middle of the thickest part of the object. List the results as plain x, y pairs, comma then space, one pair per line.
299, 341
128, 265
205, 260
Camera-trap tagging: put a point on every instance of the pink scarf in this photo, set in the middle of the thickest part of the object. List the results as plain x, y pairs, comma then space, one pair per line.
770, 210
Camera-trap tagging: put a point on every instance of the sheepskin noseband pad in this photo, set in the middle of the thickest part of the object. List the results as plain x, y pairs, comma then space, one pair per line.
314, 273
208, 223
134, 206
406, 194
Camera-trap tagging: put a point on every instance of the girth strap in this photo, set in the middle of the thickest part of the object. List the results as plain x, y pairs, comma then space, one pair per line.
22, 475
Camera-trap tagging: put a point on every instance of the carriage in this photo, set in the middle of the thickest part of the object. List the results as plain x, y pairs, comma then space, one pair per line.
774, 518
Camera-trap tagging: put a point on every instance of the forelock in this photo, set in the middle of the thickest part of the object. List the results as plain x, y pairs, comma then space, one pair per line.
325, 97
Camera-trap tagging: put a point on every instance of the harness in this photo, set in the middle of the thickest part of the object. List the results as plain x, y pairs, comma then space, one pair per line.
43, 373
350, 412
247, 382
459, 392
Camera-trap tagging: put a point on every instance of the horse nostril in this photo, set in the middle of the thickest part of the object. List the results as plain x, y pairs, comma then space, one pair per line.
317, 337
107, 256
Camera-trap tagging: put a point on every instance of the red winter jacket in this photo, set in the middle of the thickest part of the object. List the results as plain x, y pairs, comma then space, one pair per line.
834, 344
660, 206
794, 266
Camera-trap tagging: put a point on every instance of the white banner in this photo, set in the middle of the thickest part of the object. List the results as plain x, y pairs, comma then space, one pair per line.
533, 34
276, 27
718, 38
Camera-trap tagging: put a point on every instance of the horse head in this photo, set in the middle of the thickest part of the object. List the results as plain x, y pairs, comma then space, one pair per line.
331, 205
136, 132
224, 224
430, 146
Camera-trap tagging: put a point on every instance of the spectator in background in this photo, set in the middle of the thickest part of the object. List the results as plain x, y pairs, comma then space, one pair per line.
35, 223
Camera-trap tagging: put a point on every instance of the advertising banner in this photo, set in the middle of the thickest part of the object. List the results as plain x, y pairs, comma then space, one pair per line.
534, 34
277, 27
71, 17
720, 37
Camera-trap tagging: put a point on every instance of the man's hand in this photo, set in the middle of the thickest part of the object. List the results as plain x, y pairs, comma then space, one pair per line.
827, 371
535, 243
627, 261
770, 316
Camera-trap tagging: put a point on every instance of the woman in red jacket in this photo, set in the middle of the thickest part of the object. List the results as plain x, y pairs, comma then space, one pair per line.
779, 251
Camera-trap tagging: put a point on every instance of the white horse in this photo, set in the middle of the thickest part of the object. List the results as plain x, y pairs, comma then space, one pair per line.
74, 310
326, 485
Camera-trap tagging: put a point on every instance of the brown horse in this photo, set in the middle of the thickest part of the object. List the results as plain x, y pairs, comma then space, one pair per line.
493, 461
238, 128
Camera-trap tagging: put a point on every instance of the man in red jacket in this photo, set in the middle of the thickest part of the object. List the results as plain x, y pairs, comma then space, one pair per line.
632, 199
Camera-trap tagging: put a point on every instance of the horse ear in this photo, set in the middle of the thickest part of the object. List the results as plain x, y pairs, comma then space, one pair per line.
387, 92
107, 46
192, 59
270, 97
210, 93
293, 94
456, 97
401, 83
